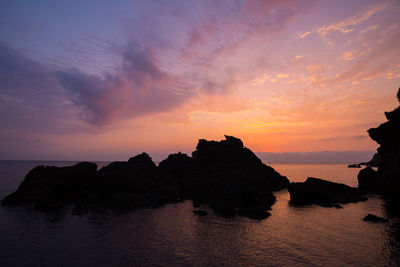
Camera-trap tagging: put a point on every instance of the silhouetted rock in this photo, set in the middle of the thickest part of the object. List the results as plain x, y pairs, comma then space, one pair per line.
49, 188
368, 180
318, 191
354, 166
375, 161
138, 175
373, 218
387, 178
224, 175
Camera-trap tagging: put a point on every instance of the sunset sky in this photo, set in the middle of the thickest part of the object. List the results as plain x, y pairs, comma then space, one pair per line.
105, 80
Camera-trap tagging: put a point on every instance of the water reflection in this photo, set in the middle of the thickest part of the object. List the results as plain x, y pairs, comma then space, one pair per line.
173, 235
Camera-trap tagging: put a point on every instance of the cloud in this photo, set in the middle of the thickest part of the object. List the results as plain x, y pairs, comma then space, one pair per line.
282, 75
165, 63
349, 55
377, 60
140, 87
303, 35
345, 26
30, 96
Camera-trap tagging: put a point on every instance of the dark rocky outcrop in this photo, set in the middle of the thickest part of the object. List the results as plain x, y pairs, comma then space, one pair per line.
374, 162
324, 193
387, 179
222, 174
225, 175
374, 218
49, 188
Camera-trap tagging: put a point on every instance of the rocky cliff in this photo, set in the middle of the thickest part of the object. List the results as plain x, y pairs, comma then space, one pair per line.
386, 180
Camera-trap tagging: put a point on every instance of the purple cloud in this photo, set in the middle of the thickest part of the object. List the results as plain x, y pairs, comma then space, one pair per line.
165, 62
139, 87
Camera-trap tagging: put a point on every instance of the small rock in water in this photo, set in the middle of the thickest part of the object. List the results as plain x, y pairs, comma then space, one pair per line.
373, 218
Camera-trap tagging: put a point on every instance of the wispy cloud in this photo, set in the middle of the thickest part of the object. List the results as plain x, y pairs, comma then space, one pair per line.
346, 25
165, 63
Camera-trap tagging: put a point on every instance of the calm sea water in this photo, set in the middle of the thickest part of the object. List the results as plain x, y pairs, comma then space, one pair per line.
173, 235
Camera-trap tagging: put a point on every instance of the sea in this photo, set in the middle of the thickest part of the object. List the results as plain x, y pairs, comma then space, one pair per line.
173, 235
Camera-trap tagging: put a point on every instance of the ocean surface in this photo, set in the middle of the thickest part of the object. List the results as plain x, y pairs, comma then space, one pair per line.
174, 236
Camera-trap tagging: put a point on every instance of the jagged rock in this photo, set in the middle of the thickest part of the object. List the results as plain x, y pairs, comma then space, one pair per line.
318, 191
225, 175
222, 174
387, 135
137, 175
374, 218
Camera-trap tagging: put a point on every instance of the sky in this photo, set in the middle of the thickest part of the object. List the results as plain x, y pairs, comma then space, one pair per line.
106, 80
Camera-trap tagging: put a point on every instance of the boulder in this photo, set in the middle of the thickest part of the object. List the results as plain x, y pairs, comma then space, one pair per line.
318, 191
374, 218
368, 180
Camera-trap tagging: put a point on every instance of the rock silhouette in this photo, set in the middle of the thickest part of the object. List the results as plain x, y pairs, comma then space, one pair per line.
354, 166
225, 175
49, 188
368, 180
324, 193
222, 174
374, 218
387, 179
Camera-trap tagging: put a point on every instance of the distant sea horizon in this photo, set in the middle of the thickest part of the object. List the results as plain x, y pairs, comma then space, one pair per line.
314, 157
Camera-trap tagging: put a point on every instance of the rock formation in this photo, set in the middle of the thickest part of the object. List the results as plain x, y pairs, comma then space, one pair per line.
324, 193
49, 188
374, 218
224, 175
387, 179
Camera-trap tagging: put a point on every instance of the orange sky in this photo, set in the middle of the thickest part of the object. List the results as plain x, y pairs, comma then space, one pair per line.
281, 75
